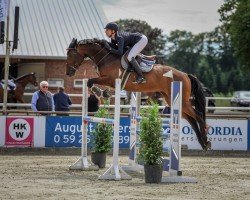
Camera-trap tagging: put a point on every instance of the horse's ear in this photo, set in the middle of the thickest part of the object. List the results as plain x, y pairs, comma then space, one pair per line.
73, 43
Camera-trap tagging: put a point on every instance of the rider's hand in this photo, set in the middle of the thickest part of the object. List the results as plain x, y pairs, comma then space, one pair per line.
106, 46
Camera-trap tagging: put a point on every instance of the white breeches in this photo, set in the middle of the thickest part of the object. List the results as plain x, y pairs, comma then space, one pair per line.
11, 83
138, 47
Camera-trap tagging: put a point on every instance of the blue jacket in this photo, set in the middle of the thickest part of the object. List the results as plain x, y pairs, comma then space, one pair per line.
123, 40
62, 101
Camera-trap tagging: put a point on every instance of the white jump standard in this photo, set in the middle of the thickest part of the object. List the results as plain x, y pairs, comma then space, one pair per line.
172, 164
115, 172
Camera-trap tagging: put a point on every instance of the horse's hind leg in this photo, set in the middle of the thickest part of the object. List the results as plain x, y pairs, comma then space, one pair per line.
195, 127
197, 123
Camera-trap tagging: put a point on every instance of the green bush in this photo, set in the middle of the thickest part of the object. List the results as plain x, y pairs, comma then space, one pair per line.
102, 133
150, 152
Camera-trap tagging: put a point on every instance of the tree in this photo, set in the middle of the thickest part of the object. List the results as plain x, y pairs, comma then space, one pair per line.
184, 50
236, 17
156, 39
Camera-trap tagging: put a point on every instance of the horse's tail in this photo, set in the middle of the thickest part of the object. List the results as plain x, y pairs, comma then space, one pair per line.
198, 100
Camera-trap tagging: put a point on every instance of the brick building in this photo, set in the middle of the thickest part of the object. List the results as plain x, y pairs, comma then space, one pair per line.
46, 27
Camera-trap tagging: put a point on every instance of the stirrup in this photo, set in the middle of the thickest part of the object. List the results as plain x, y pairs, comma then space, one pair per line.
140, 80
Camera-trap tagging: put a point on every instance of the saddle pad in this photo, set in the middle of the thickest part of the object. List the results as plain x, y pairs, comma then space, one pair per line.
145, 66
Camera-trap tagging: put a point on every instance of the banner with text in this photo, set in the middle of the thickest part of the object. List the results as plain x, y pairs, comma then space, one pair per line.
19, 131
66, 132
224, 134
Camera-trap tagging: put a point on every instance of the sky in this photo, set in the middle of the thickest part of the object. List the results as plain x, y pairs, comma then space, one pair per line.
191, 15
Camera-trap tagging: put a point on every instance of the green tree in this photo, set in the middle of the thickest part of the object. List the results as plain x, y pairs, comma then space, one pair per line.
235, 14
184, 50
156, 38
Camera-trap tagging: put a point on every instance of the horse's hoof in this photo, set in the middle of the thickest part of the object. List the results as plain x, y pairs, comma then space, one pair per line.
106, 93
90, 83
96, 91
208, 146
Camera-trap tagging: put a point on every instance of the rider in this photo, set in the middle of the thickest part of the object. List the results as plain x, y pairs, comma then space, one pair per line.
11, 82
136, 41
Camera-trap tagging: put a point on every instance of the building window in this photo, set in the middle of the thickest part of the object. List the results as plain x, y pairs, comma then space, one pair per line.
78, 83
56, 82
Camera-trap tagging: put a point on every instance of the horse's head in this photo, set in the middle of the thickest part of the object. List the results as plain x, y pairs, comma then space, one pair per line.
74, 59
33, 80
78, 51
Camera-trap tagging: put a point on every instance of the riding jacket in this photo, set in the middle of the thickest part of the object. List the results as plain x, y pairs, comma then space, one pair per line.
123, 40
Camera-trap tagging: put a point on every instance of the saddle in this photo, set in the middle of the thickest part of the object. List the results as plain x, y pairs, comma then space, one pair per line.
146, 62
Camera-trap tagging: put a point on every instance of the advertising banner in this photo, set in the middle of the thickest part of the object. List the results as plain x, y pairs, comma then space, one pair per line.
19, 131
224, 134
66, 132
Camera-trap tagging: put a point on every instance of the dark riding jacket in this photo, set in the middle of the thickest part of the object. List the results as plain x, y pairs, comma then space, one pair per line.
123, 40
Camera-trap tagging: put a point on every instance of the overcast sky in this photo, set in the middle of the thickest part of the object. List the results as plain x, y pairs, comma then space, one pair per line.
190, 15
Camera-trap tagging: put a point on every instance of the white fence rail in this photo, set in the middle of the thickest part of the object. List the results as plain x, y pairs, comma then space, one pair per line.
78, 106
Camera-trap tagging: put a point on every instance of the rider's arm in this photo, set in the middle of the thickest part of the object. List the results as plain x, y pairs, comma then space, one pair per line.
120, 44
33, 101
113, 44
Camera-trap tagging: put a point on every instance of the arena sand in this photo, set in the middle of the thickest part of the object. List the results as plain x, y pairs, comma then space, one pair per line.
49, 177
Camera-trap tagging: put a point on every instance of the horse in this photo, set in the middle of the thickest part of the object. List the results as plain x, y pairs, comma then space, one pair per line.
21, 83
109, 68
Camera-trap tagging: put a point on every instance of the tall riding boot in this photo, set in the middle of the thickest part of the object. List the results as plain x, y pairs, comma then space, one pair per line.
139, 78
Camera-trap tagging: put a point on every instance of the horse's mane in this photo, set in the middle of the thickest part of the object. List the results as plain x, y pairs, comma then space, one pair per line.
91, 41
24, 76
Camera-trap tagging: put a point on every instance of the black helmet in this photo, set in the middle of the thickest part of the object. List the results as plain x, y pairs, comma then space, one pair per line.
112, 26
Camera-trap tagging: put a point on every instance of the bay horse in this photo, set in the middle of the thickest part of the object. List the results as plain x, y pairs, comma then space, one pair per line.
108, 67
21, 83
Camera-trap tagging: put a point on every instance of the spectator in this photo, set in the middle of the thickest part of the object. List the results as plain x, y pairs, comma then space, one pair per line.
93, 102
42, 100
62, 101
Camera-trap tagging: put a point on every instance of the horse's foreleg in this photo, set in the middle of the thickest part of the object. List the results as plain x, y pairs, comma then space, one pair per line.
105, 81
99, 92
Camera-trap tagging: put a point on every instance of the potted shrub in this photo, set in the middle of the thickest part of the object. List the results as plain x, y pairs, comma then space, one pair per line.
101, 139
150, 139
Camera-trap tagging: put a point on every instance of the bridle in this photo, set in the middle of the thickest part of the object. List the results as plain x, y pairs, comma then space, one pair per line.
76, 66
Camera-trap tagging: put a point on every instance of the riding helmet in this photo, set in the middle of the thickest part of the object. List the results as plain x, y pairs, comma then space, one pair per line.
112, 26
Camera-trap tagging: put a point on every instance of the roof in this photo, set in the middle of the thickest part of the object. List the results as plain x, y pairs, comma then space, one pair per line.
46, 27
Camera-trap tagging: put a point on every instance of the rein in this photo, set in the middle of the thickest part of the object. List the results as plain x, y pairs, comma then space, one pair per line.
75, 66
93, 57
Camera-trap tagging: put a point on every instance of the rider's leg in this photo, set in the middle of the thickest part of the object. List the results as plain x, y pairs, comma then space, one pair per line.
12, 86
139, 78
136, 49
